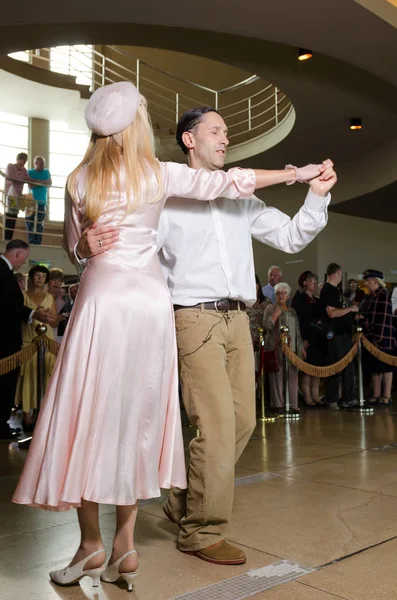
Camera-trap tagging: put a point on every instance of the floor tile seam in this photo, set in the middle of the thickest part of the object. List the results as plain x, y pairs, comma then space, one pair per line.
27, 531
314, 587
355, 553
233, 541
313, 462
346, 487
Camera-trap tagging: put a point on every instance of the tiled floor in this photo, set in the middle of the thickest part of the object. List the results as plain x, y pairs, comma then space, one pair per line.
329, 503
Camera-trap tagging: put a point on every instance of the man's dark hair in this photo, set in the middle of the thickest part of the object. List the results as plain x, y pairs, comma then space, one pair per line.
189, 121
38, 269
17, 245
22, 155
333, 268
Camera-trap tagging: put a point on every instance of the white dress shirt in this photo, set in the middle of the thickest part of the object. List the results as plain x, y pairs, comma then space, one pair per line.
206, 248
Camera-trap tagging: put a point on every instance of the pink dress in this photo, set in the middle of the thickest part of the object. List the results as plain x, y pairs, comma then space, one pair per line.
109, 430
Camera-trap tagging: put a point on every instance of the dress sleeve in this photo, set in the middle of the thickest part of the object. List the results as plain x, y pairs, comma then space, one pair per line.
73, 227
181, 181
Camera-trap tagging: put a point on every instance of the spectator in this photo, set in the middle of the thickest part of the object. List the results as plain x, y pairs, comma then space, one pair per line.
40, 193
16, 176
276, 315
256, 313
12, 314
354, 294
306, 305
274, 275
338, 331
20, 278
55, 289
378, 327
67, 309
35, 297
301, 282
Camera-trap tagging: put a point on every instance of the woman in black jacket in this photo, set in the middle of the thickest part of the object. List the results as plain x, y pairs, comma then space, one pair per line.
305, 303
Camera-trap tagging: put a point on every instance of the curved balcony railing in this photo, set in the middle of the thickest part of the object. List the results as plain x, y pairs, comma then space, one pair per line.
251, 107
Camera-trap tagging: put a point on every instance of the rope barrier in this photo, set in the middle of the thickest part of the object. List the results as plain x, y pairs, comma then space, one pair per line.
328, 371
382, 356
314, 370
9, 363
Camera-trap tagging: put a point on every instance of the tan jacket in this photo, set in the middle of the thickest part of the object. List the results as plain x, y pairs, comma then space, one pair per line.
272, 330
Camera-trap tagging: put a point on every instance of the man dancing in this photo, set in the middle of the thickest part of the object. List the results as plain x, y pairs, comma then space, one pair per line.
207, 256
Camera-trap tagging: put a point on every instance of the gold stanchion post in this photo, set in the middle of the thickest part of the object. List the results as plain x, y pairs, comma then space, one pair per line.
362, 409
41, 330
287, 414
263, 416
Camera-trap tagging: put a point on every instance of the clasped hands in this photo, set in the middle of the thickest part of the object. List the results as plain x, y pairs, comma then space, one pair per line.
321, 178
44, 315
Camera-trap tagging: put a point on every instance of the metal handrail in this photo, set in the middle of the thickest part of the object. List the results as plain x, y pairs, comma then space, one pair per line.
164, 101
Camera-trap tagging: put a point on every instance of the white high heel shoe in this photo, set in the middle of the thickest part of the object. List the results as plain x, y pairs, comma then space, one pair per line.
72, 575
112, 573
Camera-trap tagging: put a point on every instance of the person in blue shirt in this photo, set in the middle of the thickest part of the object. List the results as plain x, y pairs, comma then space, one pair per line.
274, 277
40, 193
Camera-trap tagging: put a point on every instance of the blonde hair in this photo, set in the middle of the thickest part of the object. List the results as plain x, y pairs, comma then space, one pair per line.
380, 281
132, 150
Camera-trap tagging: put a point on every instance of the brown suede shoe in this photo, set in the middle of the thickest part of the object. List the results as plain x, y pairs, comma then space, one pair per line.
221, 553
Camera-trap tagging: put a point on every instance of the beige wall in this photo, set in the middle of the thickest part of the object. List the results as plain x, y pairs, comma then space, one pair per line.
358, 244
39, 142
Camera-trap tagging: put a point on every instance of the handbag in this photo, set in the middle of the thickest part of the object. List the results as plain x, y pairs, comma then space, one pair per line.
270, 363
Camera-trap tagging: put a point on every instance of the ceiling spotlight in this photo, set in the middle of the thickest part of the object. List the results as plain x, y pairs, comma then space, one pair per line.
356, 123
304, 54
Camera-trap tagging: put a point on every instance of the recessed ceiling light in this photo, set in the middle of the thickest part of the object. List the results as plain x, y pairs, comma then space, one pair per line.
304, 54
356, 123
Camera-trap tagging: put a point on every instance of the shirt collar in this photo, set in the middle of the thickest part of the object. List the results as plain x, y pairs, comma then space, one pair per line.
7, 261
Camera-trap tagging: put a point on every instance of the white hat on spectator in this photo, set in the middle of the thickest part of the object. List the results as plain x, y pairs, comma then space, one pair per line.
112, 108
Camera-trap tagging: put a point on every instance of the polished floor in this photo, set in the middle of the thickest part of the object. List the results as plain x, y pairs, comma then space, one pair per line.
320, 492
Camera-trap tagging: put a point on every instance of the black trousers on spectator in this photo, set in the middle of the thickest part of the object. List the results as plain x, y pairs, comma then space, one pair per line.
11, 220
8, 384
337, 348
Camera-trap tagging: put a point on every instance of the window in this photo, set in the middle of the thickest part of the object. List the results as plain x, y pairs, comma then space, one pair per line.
67, 148
73, 60
23, 56
14, 138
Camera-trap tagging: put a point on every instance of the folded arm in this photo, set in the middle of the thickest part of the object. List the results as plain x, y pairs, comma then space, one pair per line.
276, 229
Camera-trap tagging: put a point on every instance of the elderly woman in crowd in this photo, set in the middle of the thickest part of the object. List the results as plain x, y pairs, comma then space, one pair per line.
306, 305
276, 315
378, 328
35, 296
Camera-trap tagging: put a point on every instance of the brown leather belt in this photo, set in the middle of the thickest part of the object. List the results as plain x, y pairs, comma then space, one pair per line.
219, 305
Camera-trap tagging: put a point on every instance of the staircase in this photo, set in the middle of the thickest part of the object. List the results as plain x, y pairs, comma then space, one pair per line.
257, 113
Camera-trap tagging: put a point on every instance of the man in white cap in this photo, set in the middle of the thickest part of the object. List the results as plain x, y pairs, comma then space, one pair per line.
207, 256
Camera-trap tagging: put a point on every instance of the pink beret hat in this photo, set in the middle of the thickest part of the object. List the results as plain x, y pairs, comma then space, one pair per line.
112, 108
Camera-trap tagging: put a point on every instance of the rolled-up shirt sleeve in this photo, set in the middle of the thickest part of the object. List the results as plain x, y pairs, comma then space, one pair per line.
276, 229
183, 182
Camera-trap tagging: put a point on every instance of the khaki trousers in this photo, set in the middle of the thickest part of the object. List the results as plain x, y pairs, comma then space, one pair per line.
218, 385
